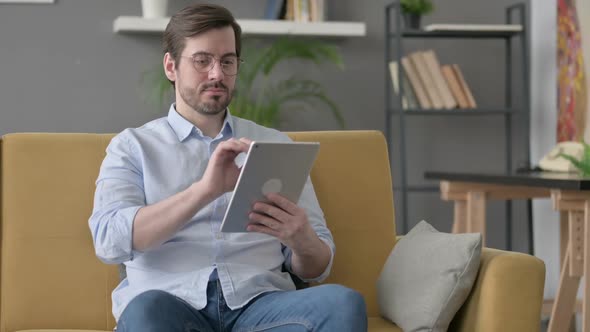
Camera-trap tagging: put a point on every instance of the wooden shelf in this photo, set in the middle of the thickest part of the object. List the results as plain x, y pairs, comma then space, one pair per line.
459, 111
468, 34
140, 25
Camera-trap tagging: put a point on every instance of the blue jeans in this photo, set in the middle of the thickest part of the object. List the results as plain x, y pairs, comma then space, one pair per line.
320, 308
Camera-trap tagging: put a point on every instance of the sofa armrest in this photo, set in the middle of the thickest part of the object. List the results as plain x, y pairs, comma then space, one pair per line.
507, 294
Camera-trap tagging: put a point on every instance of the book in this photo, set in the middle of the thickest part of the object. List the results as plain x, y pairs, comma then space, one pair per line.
273, 9
313, 10
304, 14
433, 64
296, 10
464, 87
474, 27
316, 10
321, 4
395, 83
283, 12
290, 11
409, 93
454, 86
417, 87
408, 98
426, 79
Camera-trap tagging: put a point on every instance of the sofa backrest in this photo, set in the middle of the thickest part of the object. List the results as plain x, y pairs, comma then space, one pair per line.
352, 180
51, 277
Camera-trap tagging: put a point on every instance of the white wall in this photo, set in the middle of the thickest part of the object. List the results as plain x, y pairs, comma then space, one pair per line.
543, 129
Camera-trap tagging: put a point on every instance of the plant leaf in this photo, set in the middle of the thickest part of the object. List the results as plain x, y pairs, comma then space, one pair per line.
265, 106
584, 168
293, 48
308, 91
157, 86
586, 154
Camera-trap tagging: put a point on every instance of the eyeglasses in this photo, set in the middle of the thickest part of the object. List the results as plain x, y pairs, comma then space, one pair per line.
203, 63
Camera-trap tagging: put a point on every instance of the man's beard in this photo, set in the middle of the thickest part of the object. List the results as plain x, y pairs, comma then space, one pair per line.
192, 96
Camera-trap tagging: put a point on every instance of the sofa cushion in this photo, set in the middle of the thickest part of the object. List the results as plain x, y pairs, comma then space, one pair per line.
427, 277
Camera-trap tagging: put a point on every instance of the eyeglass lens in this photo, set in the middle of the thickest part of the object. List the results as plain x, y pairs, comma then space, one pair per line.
204, 63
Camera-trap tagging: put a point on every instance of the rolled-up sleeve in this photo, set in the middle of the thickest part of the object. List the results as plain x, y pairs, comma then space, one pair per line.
310, 203
119, 195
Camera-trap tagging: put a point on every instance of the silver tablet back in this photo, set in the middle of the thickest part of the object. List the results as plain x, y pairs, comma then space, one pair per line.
270, 167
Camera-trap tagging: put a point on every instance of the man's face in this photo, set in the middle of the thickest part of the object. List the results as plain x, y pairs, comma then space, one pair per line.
207, 92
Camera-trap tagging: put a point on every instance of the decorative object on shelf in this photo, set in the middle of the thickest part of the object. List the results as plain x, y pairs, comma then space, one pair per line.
554, 160
413, 10
154, 8
582, 164
258, 97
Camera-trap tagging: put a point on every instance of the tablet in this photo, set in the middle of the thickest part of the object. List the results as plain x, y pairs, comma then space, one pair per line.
269, 167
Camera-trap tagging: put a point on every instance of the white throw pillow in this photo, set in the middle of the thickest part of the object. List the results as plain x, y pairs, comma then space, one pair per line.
427, 277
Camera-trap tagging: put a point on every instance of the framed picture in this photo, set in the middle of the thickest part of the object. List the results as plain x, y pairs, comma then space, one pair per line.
572, 93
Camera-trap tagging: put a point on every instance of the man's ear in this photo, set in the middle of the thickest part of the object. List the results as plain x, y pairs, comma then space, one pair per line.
169, 67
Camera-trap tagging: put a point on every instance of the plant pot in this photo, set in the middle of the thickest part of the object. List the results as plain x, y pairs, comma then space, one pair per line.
411, 21
154, 8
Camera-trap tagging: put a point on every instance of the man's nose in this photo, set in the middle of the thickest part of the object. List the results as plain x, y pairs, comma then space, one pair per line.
216, 73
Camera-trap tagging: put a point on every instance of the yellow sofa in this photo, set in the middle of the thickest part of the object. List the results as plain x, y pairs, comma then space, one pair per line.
51, 280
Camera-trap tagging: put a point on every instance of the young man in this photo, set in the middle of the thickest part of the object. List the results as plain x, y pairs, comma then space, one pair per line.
163, 189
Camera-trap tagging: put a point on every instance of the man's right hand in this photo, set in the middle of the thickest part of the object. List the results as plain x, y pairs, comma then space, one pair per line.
222, 173
156, 223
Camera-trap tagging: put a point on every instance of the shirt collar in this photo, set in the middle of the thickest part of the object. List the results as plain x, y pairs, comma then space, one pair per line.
183, 128
228, 123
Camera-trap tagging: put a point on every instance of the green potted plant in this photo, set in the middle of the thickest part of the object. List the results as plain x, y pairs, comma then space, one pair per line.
260, 97
413, 10
583, 164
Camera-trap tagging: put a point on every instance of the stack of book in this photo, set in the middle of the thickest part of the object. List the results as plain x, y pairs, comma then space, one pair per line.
296, 10
429, 85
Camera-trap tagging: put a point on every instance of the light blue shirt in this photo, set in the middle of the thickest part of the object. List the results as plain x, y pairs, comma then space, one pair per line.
148, 164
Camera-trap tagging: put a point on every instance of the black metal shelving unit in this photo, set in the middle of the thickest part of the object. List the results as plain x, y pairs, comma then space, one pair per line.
394, 51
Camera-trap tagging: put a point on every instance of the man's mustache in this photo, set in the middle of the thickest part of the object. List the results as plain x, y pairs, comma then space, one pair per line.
216, 85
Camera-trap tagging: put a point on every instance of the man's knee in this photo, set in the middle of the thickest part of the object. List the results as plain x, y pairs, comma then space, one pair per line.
149, 303
342, 297
345, 308
145, 310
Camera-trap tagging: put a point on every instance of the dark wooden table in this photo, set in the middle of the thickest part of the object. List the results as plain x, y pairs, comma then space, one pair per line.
570, 194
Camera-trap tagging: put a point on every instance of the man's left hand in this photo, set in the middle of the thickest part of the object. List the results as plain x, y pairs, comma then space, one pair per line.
284, 220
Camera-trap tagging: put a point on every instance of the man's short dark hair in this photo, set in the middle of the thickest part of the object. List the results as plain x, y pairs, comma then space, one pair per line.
194, 20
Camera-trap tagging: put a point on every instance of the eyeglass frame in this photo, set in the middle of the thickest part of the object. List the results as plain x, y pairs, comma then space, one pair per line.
215, 60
